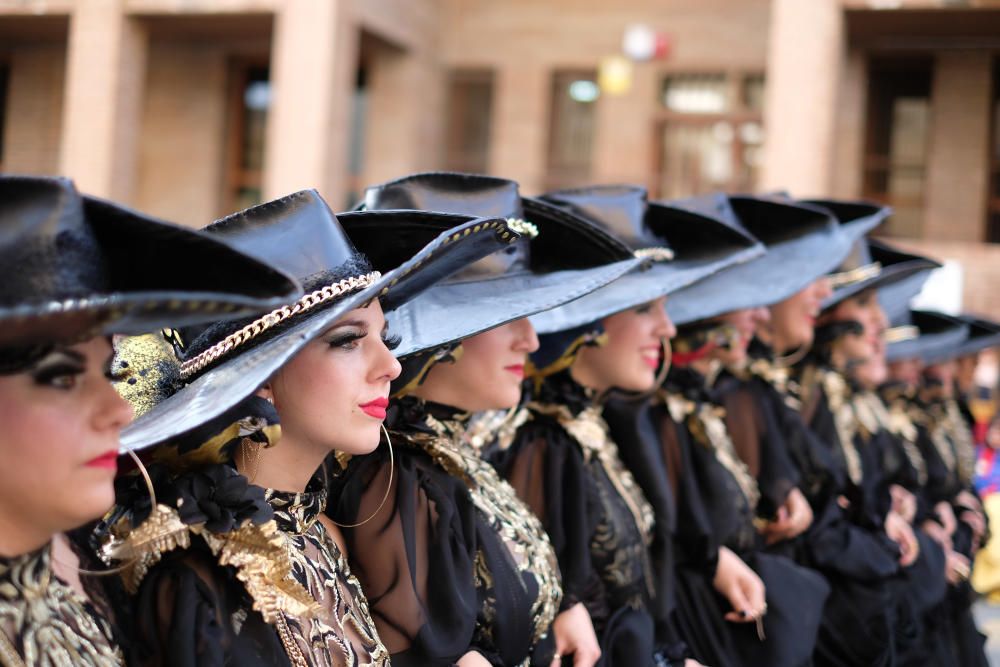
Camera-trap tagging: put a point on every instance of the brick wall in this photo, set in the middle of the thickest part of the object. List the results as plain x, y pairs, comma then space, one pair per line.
34, 109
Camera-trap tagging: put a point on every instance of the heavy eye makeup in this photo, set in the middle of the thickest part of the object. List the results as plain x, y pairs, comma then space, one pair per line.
60, 369
347, 337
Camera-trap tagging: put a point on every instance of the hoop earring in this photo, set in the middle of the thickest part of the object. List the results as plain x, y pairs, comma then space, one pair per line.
124, 566
793, 357
661, 376
388, 486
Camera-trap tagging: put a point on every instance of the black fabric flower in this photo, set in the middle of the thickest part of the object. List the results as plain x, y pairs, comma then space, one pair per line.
221, 498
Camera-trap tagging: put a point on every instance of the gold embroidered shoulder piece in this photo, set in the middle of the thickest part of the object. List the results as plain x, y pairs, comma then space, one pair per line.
520, 530
961, 436
898, 422
258, 553
845, 418
590, 430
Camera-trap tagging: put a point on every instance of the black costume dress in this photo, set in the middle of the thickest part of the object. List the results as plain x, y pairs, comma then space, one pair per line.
47, 623
454, 562
230, 573
565, 466
943, 442
728, 495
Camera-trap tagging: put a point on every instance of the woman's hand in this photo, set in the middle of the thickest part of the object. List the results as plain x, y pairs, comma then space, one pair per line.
900, 532
735, 581
794, 517
936, 532
473, 659
904, 503
946, 515
956, 568
575, 636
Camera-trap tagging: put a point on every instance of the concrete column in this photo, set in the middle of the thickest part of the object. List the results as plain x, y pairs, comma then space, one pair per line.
849, 149
313, 68
958, 161
804, 60
624, 143
105, 72
520, 124
403, 132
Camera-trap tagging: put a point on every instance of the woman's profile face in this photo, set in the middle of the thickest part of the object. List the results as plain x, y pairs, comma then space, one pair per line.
865, 309
61, 421
632, 353
333, 394
745, 322
793, 320
487, 374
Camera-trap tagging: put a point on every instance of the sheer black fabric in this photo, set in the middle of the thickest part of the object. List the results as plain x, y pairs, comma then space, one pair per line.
795, 595
453, 562
566, 467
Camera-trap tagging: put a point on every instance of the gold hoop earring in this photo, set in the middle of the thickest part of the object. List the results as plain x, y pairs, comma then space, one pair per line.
792, 358
120, 568
388, 486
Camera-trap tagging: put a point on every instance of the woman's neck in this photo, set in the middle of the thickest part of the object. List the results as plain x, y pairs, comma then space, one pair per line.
286, 466
19, 535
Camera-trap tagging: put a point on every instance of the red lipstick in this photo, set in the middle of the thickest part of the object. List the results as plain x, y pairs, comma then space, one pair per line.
375, 408
107, 461
516, 369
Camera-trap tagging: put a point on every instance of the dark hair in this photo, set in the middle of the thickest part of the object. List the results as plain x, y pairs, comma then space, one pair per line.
199, 339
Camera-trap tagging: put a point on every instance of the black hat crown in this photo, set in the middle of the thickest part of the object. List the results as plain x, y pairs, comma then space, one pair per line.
77, 266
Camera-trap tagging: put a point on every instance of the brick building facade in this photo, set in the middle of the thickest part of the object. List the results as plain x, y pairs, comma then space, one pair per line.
190, 109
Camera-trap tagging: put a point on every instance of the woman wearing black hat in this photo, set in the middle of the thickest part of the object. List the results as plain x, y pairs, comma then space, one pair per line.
76, 270
947, 508
458, 568
871, 603
613, 549
236, 563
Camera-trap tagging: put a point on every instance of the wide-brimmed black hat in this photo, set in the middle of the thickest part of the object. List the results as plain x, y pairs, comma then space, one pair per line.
873, 265
803, 243
926, 335
680, 246
896, 297
343, 261
983, 334
77, 266
561, 258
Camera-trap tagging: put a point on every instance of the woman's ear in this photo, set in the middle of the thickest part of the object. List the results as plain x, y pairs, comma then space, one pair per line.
265, 393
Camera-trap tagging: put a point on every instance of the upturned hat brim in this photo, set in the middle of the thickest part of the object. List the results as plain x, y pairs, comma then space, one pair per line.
641, 285
242, 373
785, 269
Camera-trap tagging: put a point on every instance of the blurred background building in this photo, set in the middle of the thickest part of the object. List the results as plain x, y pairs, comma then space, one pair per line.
190, 109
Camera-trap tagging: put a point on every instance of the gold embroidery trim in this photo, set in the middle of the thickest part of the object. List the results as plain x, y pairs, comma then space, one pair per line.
857, 275
257, 553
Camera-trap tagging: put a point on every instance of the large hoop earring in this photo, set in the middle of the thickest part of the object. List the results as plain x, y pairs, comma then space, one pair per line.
124, 566
793, 357
388, 486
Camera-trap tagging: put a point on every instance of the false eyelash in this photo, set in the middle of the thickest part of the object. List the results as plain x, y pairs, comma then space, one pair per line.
393, 341
47, 374
345, 339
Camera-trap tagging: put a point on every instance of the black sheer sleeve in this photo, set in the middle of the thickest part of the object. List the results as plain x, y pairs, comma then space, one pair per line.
416, 558
191, 612
759, 442
546, 468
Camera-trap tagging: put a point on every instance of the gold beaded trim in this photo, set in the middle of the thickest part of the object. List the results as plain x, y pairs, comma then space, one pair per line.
274, 318
900, 333
523, 227
657, 254
845, 278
